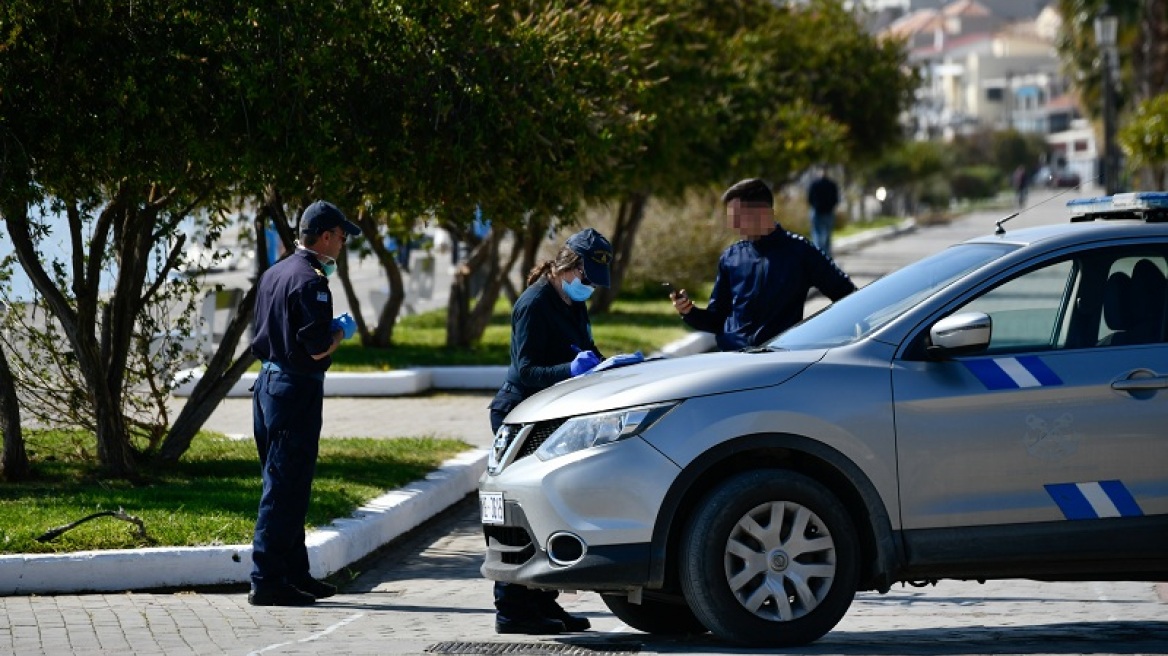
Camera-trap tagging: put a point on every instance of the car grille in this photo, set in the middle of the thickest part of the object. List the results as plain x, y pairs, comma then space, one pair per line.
538, 436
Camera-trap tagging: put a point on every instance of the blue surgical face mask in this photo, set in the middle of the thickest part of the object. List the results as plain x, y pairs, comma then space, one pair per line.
329, 267
577, 291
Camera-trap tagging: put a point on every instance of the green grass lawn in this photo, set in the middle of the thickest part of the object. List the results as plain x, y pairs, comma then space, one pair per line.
209, 498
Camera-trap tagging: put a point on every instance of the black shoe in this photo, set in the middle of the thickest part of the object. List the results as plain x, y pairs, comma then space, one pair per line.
530, 626
318, 589
571, 622
284, 595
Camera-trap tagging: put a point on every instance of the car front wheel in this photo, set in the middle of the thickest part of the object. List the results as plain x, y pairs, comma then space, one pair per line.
770, 558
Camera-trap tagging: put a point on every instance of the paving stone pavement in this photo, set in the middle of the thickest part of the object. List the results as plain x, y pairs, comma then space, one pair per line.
424, 594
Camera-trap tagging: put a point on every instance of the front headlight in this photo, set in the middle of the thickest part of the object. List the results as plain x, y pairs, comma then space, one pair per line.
588, 431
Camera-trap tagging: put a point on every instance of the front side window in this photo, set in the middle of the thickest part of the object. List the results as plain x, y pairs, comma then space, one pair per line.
859, 314
1029, 312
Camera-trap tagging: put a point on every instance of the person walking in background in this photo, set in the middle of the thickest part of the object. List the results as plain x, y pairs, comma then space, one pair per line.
823, 196
551, 341
1021, 184
295, 337
763, 280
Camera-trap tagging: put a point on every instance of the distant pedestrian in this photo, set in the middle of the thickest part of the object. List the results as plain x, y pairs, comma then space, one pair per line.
1021, 184
551, 341
295, 337
823, 196
762, 280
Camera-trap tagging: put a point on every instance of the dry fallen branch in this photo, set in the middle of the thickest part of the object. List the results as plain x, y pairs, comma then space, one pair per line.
116, 514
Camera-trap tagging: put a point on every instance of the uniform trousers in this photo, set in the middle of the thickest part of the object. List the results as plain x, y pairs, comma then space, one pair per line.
287, 410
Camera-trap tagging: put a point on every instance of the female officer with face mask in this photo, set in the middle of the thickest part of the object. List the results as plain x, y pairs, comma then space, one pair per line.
551, 340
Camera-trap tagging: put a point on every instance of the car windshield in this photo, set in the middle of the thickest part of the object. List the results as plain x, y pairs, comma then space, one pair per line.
859, 314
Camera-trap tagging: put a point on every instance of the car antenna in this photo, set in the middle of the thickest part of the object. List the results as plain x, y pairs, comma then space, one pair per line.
999, 230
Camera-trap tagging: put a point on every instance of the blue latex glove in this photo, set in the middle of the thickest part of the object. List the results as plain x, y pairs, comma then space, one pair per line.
346, 324
584, 362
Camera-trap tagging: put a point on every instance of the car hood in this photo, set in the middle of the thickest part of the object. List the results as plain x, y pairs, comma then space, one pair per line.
658, 380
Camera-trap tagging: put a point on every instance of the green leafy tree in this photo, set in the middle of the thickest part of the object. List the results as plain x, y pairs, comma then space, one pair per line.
753, 89
1145, 139
105, 112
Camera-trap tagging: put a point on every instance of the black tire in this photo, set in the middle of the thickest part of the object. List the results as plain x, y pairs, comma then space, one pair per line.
656, 615
740, 547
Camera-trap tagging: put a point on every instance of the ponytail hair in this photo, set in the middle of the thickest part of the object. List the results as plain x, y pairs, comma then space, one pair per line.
565, 260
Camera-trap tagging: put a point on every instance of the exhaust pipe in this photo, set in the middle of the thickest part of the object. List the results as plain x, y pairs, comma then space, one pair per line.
565, 549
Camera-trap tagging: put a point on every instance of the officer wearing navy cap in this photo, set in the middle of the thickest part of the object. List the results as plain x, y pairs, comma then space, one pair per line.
551, 340
295, 337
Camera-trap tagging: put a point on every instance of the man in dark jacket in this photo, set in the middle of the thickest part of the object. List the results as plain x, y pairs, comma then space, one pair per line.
763, 280
295, 337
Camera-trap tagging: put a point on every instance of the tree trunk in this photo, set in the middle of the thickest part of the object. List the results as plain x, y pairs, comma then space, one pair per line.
532, 237
224, 370
464, 325
630, 215
1152, 67
498, 274
382, 334
14, 462
220, 376
113, 445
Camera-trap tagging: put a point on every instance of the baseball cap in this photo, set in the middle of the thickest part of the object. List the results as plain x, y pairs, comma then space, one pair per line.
322, 216
596, 253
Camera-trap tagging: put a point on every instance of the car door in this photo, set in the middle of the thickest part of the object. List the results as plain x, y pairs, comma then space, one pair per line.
1053, 422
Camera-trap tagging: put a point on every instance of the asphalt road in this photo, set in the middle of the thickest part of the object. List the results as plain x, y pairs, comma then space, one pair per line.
423, 594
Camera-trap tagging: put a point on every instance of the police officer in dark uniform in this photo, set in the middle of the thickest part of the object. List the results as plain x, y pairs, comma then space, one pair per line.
295, 337
551, 341
762, 280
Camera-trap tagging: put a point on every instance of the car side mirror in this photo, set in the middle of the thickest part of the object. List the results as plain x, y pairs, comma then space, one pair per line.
959, 334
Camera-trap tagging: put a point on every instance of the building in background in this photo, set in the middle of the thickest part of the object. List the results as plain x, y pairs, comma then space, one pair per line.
990, 64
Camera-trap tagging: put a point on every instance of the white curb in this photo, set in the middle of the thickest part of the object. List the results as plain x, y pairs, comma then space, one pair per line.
330, 548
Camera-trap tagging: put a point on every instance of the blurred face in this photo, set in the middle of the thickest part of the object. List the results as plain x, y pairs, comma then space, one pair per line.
331, 242
751, 220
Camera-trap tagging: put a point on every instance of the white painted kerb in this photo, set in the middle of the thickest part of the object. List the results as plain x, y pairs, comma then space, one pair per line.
329, 548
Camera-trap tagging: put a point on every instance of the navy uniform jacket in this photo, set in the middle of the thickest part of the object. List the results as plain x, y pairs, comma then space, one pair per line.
761, 288
293, 315
543, 331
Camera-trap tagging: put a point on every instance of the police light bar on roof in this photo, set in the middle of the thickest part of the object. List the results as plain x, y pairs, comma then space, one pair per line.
1148, 205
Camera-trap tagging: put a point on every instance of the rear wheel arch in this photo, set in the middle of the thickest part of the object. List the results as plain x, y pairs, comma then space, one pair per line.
881, 556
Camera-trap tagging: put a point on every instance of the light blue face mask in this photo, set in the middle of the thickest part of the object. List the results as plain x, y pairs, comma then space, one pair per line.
577, 291
329, 267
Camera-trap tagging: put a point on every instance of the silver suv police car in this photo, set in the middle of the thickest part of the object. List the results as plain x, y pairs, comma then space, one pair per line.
998, 410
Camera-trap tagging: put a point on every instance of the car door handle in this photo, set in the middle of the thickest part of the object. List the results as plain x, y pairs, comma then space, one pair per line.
1140, 380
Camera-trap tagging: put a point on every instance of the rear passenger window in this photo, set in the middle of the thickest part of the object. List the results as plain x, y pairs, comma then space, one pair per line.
1135, 302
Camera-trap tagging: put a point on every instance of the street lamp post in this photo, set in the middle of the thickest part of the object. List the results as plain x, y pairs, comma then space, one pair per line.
1106, 26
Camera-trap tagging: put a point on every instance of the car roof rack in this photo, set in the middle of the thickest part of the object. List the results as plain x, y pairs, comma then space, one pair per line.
1149, 206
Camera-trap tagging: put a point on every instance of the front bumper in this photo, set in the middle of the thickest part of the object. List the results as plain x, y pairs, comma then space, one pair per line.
513, 557
604, 500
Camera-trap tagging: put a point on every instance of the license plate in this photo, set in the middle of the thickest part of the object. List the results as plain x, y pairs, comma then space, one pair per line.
492, 507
